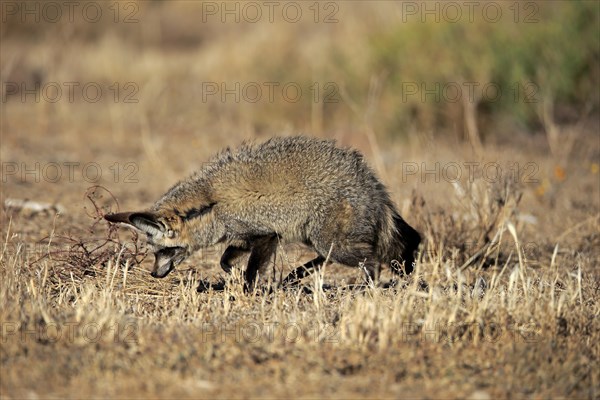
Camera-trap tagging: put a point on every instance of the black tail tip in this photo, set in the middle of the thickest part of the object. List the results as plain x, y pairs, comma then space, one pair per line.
411, 240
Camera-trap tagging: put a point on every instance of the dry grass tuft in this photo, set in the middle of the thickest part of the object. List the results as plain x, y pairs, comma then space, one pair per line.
460, 322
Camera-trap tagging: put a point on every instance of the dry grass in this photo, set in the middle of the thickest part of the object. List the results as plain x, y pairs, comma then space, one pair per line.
503, 302
516, 325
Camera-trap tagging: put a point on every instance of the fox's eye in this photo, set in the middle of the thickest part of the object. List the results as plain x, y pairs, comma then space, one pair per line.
170, 233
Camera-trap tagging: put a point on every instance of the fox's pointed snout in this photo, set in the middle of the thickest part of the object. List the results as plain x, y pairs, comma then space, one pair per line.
162, 267
166, 260
162, 270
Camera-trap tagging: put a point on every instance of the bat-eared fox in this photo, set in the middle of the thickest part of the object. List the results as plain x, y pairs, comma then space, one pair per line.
293, 189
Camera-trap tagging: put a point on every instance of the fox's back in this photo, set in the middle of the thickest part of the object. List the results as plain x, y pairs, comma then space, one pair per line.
300, 157
293, 170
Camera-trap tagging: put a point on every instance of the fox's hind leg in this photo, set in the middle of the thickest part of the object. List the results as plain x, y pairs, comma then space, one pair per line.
262, 250
302, 271
231, 255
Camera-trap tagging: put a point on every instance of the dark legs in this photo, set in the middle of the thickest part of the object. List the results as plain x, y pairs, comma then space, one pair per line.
302, 271
262, 251
350, 255
359, 256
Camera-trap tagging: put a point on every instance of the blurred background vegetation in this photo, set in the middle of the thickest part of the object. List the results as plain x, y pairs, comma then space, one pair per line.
394, 68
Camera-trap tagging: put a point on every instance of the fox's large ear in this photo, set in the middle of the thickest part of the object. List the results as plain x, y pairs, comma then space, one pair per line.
144, 221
